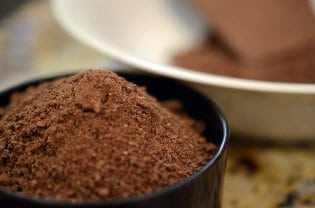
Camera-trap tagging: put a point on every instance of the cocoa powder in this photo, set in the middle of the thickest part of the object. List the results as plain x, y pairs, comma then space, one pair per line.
95, 136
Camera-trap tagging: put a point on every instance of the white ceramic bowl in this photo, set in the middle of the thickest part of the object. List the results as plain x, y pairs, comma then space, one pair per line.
146, 34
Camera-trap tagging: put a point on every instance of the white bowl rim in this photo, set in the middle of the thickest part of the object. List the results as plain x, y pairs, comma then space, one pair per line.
177, 72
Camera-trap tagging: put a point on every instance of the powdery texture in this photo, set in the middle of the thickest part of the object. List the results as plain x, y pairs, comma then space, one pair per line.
95, 136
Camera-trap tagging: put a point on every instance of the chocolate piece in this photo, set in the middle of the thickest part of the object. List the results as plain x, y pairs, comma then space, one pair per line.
213, 57
258, 30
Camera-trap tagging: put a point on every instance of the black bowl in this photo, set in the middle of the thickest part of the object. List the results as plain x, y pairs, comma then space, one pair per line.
202, 189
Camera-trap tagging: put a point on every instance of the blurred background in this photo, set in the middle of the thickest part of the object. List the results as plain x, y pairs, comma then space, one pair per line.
32, 42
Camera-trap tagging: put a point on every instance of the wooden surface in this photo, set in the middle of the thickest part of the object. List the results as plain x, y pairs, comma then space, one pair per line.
31, 42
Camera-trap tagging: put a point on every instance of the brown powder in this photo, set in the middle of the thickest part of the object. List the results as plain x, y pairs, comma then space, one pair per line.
95, 136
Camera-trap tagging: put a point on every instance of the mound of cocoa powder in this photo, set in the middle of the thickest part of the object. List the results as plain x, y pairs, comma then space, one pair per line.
95, 136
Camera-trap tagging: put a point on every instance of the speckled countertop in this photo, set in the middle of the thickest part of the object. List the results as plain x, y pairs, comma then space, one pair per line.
257, 175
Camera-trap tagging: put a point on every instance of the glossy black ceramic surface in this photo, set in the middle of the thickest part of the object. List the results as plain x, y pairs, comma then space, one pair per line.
201, 190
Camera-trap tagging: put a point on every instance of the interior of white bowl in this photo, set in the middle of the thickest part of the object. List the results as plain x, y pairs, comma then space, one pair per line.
146, 34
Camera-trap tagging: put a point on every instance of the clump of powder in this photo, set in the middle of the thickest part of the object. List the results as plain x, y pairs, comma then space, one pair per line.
95, 136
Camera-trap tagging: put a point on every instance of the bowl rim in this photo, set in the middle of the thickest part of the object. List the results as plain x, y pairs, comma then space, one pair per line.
76, 31
144, 197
